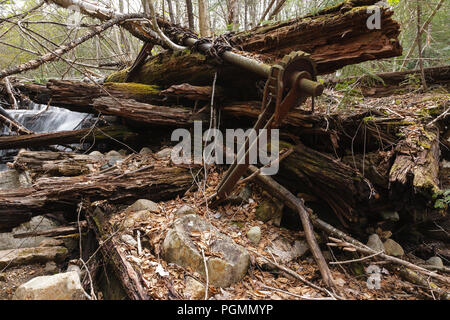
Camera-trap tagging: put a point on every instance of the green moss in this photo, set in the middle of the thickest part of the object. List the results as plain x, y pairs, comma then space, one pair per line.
134, 88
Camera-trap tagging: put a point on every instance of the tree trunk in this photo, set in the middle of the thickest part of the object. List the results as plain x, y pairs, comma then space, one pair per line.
203, 18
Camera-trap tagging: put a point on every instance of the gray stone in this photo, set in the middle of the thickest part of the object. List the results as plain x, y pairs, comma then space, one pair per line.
113, 157
129, 240
15, 257
143, 204
96, 154
38, 223
164, 153
11, 179
51, 268
74, 268
375, 243
254, 235
184, 211
286, 250
223, 271
62, 286
123, 152
390, 216
145, 150
269, 210
194, 290
435, 261
392, 248
51, 243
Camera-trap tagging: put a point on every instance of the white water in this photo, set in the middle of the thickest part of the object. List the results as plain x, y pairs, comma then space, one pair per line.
52, 120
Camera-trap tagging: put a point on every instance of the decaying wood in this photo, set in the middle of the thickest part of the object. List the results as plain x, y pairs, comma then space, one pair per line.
56, 163
131, 280
79, 96
416, 166
65, 137
60, 194
60, 231
190, 92
146, 113
326, 178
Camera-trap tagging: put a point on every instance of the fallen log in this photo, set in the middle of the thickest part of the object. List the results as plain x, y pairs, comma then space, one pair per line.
65, 137
131, 280
79, 96
61, 231
56, 163
146, 113
62, 194
187, 91
388, 83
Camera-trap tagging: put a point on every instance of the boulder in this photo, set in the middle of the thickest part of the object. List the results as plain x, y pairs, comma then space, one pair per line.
143, 204
96, 154
62, 286
38, 223
287, 251
435, 262
12, 179
15, 257
375, 243
184, 211
254, 235
392, 248
129, 240
51, 268
230, 262
194, 289
51, 243
145, 150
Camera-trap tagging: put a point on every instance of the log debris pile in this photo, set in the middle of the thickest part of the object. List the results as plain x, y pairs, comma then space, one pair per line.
374, 166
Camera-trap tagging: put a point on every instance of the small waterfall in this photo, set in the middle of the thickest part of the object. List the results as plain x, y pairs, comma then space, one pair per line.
36, 119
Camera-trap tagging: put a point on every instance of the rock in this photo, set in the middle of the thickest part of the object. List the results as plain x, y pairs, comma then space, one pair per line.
129, 240
3, 277
62, 286
375, 243
228, 267
11, 179
14, 257
269, 210
96, 154
184, 211
38, 223
123, 152
51, 243
390, 216
435, 262
392, 248
287, 251
164, 153
145, 150
143, 204
74, 268
254, 235
194, 289
51, 268
140, 211
113, 157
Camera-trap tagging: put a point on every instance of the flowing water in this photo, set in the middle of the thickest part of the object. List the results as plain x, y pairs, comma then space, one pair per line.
37, 120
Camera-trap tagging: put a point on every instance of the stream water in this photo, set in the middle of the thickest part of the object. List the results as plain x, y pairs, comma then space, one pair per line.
36, 119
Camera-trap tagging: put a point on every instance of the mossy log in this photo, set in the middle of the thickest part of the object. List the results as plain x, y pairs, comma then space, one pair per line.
62, 194
416, 166
79, 96
65, 137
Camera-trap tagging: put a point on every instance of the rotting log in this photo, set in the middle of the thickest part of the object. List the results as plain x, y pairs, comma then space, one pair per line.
132, 282
187, 91
334, 37
79, 96
55, 232
147, 113
62, 194
56, 163
416, 166
65, 137
342, 187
